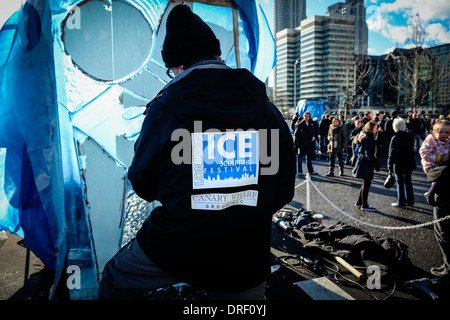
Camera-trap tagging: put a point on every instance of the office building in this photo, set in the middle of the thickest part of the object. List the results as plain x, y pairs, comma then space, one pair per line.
288, 13
327, 55
356, 9
441, 76
286, 69
315, 58
434, 76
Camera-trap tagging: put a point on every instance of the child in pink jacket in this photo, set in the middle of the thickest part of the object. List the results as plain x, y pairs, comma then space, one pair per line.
435, 150
436, 147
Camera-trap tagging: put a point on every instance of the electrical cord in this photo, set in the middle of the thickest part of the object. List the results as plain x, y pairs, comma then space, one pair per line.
315, 268
347, 281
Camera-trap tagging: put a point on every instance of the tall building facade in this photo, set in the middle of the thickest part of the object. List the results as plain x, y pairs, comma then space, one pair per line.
441, 76
287, 69
315, 55
356, 9
434, 79
288, 13
327, 54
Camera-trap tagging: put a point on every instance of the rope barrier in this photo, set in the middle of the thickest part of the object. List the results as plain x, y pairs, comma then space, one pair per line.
426, 224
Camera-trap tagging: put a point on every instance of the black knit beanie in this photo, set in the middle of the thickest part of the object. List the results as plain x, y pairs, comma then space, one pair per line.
188, 38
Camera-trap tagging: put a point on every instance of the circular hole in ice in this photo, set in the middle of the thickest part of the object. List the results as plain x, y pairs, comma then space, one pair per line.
109, 43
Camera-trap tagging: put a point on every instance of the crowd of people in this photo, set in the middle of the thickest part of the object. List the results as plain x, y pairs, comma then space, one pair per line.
365, 139
342, 134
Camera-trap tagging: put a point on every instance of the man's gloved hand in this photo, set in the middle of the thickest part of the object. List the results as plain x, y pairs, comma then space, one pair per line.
430, 195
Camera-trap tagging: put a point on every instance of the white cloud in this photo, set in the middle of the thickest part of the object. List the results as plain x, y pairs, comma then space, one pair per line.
412, 45
375, 19
397, 34
428, 10
374, 52
438, 33
388, 50
434, 15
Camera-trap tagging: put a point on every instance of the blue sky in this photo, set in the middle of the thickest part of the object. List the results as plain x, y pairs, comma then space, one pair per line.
388, 20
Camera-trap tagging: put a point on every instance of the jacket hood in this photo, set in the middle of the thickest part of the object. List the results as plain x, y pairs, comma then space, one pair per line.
198, 93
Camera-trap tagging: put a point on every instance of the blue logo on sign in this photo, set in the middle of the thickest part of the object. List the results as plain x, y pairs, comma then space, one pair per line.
225, 159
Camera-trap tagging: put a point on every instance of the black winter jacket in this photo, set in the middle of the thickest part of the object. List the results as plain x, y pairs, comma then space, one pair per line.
401, 153
441, 175
304, 134
364, 167
213, 229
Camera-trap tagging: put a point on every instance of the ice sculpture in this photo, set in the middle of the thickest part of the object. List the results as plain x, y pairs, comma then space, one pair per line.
75, 79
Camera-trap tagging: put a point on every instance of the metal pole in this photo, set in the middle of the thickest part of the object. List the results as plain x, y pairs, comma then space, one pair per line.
295, 83
308, 192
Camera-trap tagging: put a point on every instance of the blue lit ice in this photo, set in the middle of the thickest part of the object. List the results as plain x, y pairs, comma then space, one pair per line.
75, 79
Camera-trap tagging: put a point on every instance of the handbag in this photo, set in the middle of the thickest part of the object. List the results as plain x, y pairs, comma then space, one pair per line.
390, 181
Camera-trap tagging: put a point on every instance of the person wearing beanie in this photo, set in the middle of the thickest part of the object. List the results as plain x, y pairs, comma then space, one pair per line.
188, 39
203, 153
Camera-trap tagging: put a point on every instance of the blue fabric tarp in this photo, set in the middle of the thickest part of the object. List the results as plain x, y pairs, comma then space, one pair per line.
315, 107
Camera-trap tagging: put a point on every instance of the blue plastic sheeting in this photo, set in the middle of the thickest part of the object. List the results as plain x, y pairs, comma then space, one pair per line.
29, 135
316, 108
75, 80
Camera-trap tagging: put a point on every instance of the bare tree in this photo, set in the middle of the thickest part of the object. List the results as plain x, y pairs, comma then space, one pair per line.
353, 75
410, 71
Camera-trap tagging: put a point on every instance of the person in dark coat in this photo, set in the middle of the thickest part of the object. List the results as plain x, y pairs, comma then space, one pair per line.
439, 198
337, 135
202, 153
401, 162
324, 126
413, 124
388, 129
305, 136
366, 163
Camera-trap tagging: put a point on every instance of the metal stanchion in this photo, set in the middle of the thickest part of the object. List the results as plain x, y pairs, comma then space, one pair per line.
308, 192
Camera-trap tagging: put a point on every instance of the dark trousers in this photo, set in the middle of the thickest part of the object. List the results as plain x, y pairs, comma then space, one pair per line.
340, 160
405, 193
130, 274
308, 163
442, 229
364, 193
323, 144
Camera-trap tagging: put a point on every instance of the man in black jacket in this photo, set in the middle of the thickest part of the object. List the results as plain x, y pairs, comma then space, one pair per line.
305, 135
219, 157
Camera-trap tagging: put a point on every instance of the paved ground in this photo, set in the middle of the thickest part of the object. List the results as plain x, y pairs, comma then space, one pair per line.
23, 277
343, 192
336, 203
